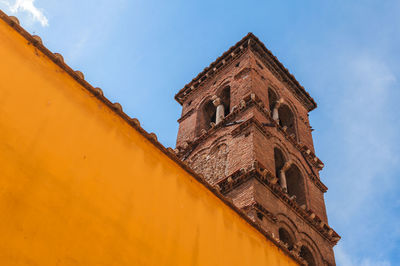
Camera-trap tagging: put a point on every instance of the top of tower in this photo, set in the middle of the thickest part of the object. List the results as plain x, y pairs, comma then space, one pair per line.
250, 40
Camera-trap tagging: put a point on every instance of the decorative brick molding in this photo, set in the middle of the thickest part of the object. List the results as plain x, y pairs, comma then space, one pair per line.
188, 113
257, 171
250, 122
210, 71
259, 208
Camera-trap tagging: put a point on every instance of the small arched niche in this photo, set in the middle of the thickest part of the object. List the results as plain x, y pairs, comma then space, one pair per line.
306, 254
286, 119
272, 99
285, 237
295, 184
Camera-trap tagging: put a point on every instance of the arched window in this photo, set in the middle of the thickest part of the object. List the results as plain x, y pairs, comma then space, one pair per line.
279, 161
295, 184
285, 237
286, 119
226, 99
206, 116
272, 99
214, 110
306, 254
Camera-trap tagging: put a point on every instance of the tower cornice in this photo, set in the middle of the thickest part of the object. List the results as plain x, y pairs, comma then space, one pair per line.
269, 60
266, 178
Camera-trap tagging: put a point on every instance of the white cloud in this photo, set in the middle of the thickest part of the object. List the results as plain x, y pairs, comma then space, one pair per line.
28, 6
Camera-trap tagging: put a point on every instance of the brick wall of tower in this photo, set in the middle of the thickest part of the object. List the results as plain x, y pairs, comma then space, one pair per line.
236, 75
239, 151
247, 75
231, 150
253, 191
264, 153
244, 75
263, 79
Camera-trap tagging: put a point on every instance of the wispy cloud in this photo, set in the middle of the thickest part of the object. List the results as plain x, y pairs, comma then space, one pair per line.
29, 7
363, 115
363, 124
362, 160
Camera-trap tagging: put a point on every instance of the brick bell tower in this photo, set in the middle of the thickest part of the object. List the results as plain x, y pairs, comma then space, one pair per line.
245, 129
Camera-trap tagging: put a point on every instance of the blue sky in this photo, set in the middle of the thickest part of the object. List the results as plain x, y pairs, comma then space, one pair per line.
345, 53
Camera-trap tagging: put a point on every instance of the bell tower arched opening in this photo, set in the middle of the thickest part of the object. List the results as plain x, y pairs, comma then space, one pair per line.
306, 254
206, 116
286, 119
285, 237
295, 184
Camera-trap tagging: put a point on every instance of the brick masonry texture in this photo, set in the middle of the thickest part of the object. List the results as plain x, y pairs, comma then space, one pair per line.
220, 151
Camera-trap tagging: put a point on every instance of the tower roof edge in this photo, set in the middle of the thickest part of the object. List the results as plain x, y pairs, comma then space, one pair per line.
250, 40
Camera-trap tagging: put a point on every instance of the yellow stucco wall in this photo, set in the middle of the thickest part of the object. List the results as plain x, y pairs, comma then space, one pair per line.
79, 186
